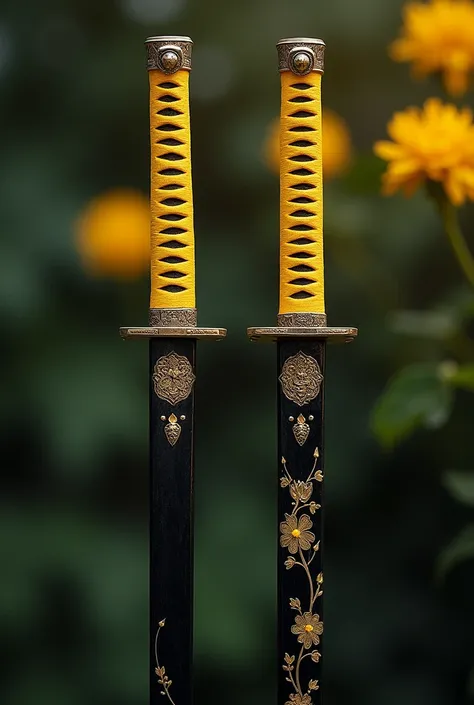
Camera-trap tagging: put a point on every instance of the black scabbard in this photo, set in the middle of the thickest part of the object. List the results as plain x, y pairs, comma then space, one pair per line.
300, 505
171, 520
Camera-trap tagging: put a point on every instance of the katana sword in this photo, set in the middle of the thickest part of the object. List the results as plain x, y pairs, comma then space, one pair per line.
301, 336
173, 333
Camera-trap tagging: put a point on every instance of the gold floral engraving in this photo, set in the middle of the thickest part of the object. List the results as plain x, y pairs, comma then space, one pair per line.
160, 671
172, 430
173, 378
301, 379
301, 430
296, 536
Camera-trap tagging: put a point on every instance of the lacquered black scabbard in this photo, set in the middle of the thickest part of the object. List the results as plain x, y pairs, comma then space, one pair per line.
172, 332
172, 374
300, 508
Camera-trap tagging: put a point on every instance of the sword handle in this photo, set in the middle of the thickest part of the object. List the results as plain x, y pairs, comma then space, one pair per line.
301, 63
172, 217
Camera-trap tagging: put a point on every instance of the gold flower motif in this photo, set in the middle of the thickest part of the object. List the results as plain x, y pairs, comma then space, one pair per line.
301, 491
173, 378
309, 629
295, 533
299, 699
301, 378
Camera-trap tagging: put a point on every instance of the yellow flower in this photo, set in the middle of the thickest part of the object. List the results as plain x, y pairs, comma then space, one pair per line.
434, 143
337, 147
113, 234
438, 37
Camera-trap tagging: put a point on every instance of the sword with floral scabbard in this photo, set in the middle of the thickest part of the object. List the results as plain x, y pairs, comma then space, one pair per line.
301, 335
172, 334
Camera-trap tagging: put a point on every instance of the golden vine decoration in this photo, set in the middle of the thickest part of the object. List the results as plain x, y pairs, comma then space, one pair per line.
160, 671
297, 537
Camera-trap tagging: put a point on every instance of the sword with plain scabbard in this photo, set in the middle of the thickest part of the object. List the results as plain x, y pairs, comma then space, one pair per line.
172, 334
301, 335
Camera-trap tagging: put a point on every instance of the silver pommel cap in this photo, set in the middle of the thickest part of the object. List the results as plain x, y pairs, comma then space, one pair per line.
301, 55
169, 54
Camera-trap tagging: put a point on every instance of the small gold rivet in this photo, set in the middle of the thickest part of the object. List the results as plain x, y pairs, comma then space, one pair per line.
291, 418
183, 417
170, 60
163, 418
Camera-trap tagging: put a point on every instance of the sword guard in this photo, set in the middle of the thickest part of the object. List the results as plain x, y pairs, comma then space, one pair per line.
178, 332
330, 335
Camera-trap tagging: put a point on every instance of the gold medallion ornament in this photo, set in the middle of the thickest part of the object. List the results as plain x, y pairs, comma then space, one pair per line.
173, 378
301, 379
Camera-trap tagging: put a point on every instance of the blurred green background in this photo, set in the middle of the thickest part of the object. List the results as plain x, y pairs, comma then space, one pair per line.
73, 590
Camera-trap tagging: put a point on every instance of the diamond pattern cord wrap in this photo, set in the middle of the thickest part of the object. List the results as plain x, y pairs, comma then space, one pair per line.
301, 195
172, 221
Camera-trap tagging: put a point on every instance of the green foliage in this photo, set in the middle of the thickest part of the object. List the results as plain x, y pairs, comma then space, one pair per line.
463, 377
461, 486
461, 549
417, 396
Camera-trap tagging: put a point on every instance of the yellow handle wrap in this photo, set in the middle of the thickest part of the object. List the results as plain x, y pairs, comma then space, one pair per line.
301, 195
172, 222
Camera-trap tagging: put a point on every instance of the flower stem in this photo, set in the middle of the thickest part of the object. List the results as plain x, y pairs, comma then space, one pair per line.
452, 228
310, 580
298, 664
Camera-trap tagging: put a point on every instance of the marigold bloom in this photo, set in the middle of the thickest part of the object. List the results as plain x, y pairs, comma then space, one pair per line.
337, 146
438, 37
434, 143
113, 234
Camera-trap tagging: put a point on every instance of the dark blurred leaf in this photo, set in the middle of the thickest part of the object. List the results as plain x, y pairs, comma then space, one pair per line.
459, 550
461, 486
416, 396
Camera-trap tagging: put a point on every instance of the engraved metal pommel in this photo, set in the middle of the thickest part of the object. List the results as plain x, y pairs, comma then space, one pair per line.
169, 54
301, 55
